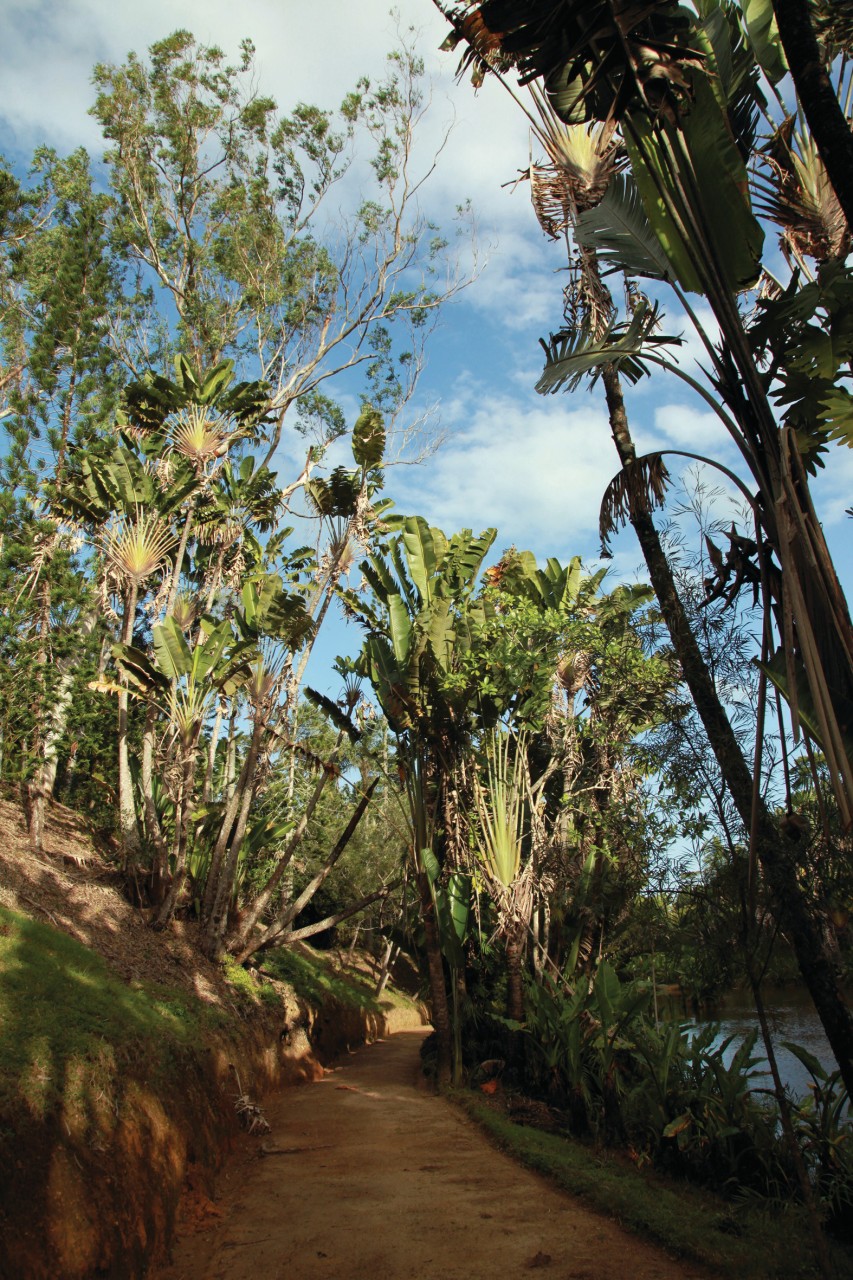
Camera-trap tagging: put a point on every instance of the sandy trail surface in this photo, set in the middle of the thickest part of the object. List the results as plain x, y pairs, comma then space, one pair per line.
369, 1176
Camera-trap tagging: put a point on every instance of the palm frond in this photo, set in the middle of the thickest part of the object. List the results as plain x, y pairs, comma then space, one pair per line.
619, 232
638, 487
572, 354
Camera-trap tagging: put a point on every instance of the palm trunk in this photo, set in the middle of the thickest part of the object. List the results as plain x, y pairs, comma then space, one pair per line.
128, 825
439, 1007
514, 984
776, 851
824, 114
264, 898
182, 826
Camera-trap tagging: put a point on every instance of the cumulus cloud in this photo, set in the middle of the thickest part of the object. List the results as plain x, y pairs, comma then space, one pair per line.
535, 469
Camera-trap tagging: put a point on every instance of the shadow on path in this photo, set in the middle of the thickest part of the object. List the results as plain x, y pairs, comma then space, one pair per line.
368, 1176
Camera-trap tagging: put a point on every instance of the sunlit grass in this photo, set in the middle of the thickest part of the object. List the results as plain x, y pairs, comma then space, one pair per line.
64, 1016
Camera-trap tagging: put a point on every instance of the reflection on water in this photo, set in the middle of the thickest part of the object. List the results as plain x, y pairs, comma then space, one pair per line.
791, 1015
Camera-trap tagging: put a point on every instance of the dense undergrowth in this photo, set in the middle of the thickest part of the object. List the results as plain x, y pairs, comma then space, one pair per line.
664, 1126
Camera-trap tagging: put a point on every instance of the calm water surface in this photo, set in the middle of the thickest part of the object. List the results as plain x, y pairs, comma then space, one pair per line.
791, 1015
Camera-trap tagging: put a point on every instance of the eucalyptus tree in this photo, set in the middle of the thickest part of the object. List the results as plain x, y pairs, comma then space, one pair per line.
675, 94
224, 206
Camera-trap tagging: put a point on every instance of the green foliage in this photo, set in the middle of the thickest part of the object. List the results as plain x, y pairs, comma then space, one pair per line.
742, 1242
312, 977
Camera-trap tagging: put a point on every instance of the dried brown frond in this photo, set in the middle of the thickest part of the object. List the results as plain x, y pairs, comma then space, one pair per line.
636, 490
798, 196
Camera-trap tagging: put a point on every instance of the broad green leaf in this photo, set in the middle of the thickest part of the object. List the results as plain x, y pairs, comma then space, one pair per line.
607, 991
440, 633
171, 651
216, 382
400, 627
459, 897
763, 35
186, 377
815, 1068
136, 667
368, 438
420, 554
430, 864
619, 232
718, 185
207, 654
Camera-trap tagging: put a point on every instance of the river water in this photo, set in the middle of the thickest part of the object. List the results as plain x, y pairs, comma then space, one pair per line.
791, 1015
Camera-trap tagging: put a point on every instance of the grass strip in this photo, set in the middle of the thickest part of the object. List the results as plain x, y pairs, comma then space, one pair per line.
743, 1241
314, 980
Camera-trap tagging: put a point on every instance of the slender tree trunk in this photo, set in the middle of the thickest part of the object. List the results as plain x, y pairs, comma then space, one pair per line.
182, 825
232, 807
777, 852
66, 670
253, 914
221, 898
289, 914
440, 1010
207, 789
514, 984
320, 926
824, 114
128, 826
153, 831
179, 561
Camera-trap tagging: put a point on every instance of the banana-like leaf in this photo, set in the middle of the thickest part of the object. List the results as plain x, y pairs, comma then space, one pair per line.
420, 554
406, 586
763, 35
607, 988
459, 898
462, 557
440, 633
619, 232
400, 627
137, 668
185, 374
215, 382
719, 191
573, 354
171, 651
208, 654
368, 438
379, 577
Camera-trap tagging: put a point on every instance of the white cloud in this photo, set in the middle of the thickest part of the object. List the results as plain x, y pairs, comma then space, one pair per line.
535, 469
686, 427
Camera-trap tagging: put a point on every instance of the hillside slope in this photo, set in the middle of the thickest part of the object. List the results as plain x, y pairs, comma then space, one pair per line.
123, 1054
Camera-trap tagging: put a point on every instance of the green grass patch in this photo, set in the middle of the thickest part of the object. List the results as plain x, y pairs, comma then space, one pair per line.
64, 1018
313, 978
245, 986
743, 1241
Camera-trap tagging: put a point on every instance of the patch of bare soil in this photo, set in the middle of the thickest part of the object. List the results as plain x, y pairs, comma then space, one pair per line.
76, 889
367, 1176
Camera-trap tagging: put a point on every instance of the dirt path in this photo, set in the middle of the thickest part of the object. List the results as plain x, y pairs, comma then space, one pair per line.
370, 1177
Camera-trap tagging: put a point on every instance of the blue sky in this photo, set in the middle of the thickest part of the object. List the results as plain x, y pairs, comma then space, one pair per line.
535, 467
